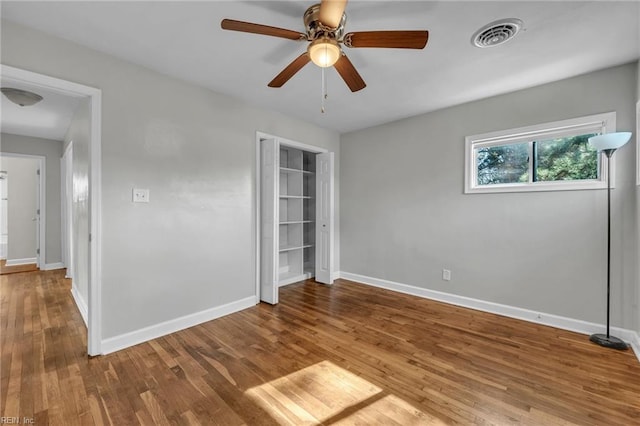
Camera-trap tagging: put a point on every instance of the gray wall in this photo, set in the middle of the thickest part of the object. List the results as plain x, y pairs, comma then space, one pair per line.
405, 217
22, 205
193, 246
636, 136
79, 133
52, 150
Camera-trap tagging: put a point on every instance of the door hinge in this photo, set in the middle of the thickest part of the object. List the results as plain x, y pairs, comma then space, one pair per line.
38, 172
38, 211
37, 251
89, 237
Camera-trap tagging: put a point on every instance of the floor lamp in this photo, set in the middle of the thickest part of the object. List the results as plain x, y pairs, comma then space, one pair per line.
609, 143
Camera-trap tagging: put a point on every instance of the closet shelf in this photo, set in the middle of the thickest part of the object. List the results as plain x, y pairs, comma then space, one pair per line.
300, 197
288, 170
296, 247
293, 277
295, 194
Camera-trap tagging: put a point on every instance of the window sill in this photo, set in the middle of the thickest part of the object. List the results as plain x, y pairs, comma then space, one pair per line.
538, 187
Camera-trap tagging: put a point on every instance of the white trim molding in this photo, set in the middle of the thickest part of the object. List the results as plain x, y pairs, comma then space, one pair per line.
53, 266
94, 338
564, 323
634, 340
19, 262
637, 137
81, 304
142, 335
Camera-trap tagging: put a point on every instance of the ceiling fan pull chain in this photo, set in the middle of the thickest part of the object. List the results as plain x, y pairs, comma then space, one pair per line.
324, 90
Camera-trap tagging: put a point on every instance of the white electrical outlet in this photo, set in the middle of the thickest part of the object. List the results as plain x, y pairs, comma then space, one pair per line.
140, 195
446, 275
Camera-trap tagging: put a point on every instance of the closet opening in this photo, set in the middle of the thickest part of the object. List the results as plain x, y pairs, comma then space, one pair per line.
294, 215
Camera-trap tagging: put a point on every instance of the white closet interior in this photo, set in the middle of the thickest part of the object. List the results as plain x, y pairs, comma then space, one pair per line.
296, 228
292, 219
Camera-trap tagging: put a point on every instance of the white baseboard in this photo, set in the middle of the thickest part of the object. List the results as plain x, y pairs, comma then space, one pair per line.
295, 279
18, 262
635, 344
52, 266
543, 318
126, 340
80, 303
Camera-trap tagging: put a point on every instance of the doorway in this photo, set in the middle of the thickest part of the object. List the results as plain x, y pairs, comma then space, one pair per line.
23, 221
87, 243
294, 215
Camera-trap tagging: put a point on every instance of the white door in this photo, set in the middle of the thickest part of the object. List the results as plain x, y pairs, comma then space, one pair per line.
36, 219
269, 157
324, 218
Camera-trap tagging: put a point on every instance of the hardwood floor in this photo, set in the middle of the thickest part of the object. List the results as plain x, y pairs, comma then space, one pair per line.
347, 354
4, 269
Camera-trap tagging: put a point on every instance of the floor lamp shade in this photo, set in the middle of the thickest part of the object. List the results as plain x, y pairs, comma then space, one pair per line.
609, 140
609, 143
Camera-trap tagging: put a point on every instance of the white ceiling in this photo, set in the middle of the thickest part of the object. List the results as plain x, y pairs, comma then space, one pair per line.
49, 118
183, 39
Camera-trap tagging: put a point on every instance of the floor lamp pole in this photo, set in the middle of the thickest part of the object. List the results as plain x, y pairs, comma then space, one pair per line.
606, 339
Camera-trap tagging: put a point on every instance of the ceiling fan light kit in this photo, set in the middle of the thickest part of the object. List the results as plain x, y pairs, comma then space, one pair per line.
324, 52
324, 30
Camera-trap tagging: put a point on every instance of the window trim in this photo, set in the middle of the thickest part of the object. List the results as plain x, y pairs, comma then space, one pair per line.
637, 143
604, 123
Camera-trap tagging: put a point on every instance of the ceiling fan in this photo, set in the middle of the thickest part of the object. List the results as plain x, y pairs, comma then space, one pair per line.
324, 24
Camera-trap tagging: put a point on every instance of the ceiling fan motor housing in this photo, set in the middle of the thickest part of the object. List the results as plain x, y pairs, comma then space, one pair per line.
315, 28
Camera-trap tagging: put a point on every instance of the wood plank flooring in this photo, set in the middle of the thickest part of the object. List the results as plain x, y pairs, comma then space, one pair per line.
346, 354
4, 269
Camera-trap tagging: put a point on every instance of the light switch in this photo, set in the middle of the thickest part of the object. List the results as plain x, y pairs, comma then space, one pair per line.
140, 195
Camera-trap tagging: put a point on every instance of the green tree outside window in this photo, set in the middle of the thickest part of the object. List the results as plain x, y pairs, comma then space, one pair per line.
559, 159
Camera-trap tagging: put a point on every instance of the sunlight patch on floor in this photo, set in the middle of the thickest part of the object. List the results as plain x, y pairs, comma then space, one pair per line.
324, 393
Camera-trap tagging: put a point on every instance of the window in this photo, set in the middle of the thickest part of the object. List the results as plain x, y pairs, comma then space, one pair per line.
547, 157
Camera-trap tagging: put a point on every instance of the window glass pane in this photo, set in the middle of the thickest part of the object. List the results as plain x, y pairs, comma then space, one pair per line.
503, 164
570, 158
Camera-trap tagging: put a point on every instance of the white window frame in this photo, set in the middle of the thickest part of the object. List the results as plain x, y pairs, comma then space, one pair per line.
637, 143
601, 123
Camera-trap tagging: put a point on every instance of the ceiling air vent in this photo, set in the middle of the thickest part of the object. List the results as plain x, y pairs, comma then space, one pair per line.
497, 32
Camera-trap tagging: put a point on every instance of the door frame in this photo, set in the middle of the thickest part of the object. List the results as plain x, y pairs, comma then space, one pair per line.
94, 325
256, 199
4, 181
41, 188
66, 191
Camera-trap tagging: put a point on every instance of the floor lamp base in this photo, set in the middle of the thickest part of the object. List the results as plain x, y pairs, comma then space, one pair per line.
609, 342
